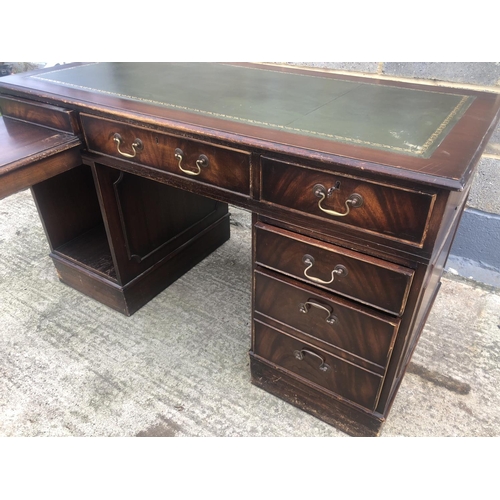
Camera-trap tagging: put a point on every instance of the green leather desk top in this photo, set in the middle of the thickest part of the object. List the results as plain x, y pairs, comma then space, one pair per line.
402, 120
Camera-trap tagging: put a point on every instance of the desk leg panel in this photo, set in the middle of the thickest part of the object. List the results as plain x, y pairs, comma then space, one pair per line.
135, 294
90, 283
332, 411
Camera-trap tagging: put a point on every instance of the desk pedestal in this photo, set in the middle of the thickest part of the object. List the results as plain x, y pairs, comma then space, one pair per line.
121, 239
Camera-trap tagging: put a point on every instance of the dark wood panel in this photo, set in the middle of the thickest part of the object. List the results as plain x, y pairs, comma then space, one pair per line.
91, 250
201, 162
336, 322
402, 215
24, 143
349, 418
146, 220
68, 205
31, 154
138, 292
147, 285
428, 293
41, 114
317, 366
37, 171
89, 283
365, 279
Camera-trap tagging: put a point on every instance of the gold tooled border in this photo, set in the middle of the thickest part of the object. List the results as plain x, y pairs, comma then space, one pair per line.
416, 150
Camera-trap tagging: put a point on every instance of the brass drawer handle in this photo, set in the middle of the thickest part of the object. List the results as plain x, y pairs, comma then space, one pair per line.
339, 269
136, 146
202, 161
304, 308
300, 355
354, 201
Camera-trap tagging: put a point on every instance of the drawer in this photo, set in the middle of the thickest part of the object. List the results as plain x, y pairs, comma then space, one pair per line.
202, 162
396, 213
317, 366
320, 315
363, 278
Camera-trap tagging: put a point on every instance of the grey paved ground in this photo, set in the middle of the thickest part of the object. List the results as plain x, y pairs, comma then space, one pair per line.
70, 366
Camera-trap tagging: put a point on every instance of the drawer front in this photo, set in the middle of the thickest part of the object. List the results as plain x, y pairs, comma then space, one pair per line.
317, 366
399, 214
366, 279
202, 162
336, 322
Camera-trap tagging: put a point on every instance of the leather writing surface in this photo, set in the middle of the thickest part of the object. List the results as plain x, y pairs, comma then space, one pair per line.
403, 120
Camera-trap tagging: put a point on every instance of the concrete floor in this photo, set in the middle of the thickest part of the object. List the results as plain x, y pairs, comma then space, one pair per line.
179, 367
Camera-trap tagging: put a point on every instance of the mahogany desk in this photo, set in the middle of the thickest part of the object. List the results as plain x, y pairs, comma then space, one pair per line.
356, 186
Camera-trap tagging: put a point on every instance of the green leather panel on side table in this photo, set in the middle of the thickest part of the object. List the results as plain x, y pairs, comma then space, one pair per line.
402, 120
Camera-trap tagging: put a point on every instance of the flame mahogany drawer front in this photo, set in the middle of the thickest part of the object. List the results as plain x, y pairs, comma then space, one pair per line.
317, 366
340, 323
399, 214
216, 165
363, 278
